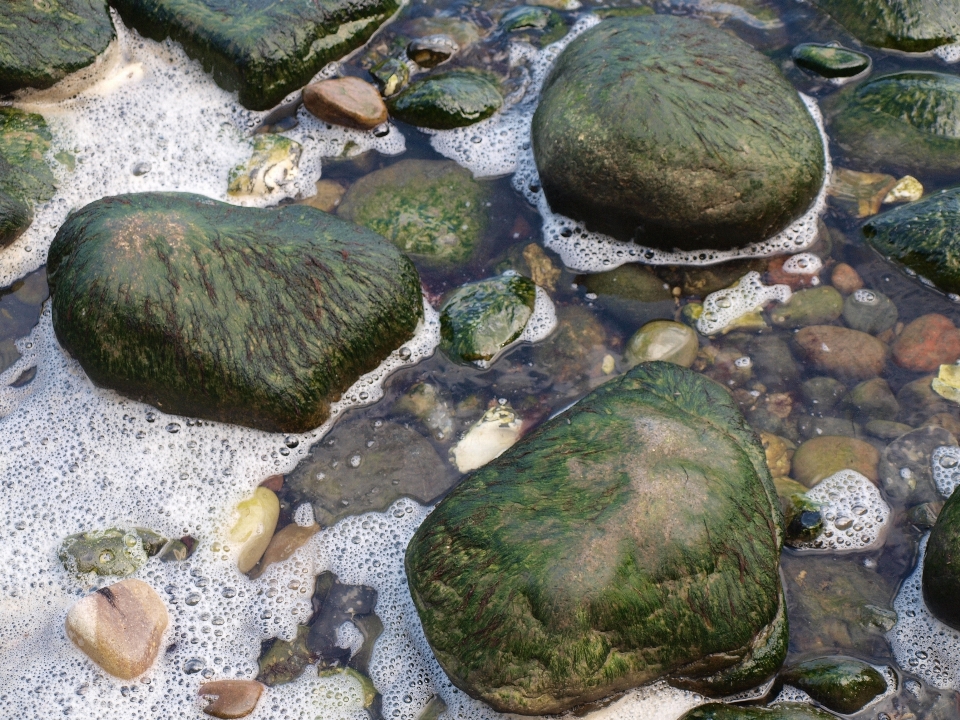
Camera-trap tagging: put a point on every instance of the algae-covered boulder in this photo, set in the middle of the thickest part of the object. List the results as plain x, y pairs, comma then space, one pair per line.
842, 684
261, 48
433, 209
908, 25
922, 236
941, 565
43, 42
676, 134
447, 100
907, 122
259, 317
633, 537
831, 61
780, 711
25, 178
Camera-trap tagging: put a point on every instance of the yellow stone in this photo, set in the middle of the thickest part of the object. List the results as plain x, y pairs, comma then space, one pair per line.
907, 189
609, 364
779, 452
497, 430
255, 519
947, 383
542, 270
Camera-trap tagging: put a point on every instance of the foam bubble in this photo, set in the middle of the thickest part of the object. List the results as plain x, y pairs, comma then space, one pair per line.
501, 145
922, 644
854, 513
803, 264
724, 307
946, 469
948, 53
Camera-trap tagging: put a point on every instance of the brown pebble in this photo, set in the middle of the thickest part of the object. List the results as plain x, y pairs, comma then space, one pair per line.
927, 343
233, 698
845, 279
328, 196
120, 627
776, 275
848, 355
821, 457
274, 483
348, 101
945, 420
283, 544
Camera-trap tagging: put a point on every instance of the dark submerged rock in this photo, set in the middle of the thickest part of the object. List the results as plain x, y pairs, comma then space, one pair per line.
257, 317
830, 61
941, 565
908, 25
448, 100
782, 711
260, 48
43, 42
842, 684
575, 550
642, 131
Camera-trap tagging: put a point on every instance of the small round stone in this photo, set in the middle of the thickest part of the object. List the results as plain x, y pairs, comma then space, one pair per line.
663, 340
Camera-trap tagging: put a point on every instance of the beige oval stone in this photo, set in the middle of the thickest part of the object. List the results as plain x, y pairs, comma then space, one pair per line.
256, 519
821, 457
284, 544
347, 101
119, 627
232, 698
848, 355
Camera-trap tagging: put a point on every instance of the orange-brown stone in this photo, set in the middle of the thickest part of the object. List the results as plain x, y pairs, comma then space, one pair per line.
927, 343
347, 101
232, 698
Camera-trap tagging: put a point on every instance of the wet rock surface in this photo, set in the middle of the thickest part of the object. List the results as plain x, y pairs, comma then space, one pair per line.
348, 101
524, 537
143, 316
830, 61
446, 100
598, 125
941, 578
25, 177
844, 685
908, 25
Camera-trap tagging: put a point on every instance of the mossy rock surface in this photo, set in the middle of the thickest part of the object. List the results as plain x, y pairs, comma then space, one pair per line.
908, 25
922, 236
255, 317
830, 61
941, 565
676, 134
899, 123
43, 42
841, 684
633, 537
447, 100
782, 711
25, 177
261, 48
433, 209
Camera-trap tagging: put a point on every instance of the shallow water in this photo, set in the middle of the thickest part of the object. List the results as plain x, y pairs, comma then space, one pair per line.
75, 457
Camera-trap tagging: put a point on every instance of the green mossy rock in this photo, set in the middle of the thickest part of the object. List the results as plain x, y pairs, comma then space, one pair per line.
481, 318
869, 311
922, 236
256, 317
830, 61
899, 123
447, 100
814, 306
109, 552
261, 48
15, 217
43, 42
908, 25
941, 565
433, 209
842, 684
782, 711
802, 519
676, 134
633, 537
25, 177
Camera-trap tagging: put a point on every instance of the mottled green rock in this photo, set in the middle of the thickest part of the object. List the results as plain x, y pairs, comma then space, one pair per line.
802, 519
922, 236
886, 429
447, 100
481, 318
821, 394
830, 61
43, 42
870, 400
643, 130
526, 17
109, 552
909, 25
630, 282
899, 123
663, 340
869, 311
634, 536
842, 684
814, 306
782, 711
261, 48
906, 464
25, 177
15, 217
391, 75
364, 467
260, 317
273, 161
433, 209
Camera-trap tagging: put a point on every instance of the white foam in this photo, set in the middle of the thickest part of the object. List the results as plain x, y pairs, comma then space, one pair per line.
724, 307
945, 462
948, 53
921, 644
803, 264
501, 145
855, 515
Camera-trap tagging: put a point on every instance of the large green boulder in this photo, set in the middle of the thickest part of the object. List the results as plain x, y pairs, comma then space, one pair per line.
261, 48
780, 711
635, 536
941, 565
433, 209
25, 177
908, 25
259, 317
676, 134
43, 42
908, 122
923, 237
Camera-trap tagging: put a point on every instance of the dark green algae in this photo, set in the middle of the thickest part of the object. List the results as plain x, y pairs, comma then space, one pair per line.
256, 317
25, 177
571, 568
941, 565
908, 25
841, 684
782, 711
447, 100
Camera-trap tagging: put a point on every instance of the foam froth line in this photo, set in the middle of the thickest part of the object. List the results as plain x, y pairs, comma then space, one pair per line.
945, 462
922, 644
724, 307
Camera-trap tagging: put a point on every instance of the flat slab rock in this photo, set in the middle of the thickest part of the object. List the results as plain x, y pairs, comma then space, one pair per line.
256, 317
261, 48
633, 537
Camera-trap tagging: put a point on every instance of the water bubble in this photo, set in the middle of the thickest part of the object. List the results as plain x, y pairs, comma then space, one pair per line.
173, 427
151, 416
192, 599
193, 666
354, 461
291, 442
866, 297
141, 168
